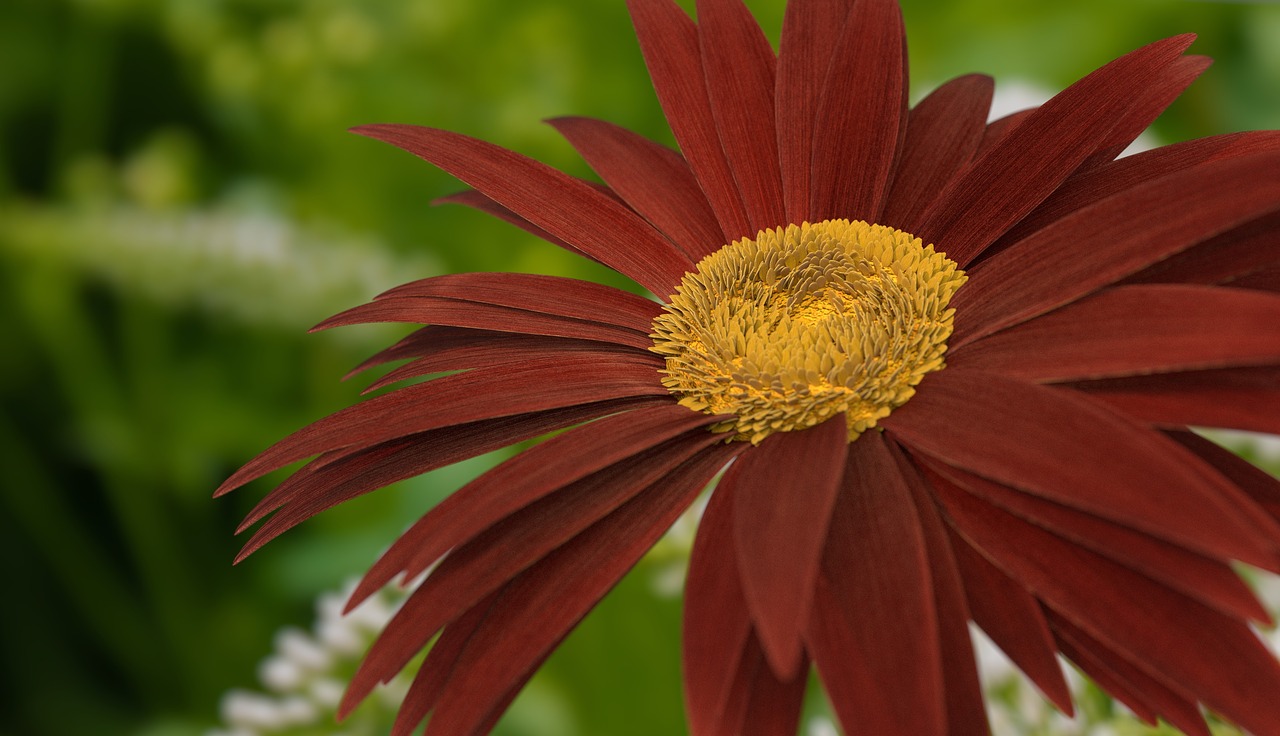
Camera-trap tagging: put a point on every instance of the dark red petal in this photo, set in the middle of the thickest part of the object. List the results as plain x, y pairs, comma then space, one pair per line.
716, 628
1152, 101
874, 628
543, 604
557, 295
770, 707
1013, 619
1235, 253
1128, 330
1258, 484
860, 116
1174, 639
810, 30
739, 68
997, 128
1147, 696
483, 564
1032, 158
1107, 180
1111, 239
502, 391
943, 133
654, 180
669, 41
1266, 279
1209, 581
566, 207
477, 201
325, 483
784, 491
966, 710
1037, 439
1238, 398
525, 478
459, 313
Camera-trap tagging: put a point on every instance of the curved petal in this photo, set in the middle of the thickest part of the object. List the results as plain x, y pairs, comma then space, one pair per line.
943, 133
784, 491
669, 41
1034, 438
1235, 398
1128, 330
1129, 231
1236, 253
479, 202
1260, 485
654, 180
874, 628
1031, 159
810, 31
567, 208
739, 68
861, 115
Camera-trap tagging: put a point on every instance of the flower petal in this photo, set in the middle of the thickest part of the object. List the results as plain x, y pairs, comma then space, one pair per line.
503, 391
1136, 228
654, 180
1236, 398
1013, 619
326, 482
477, 201
567, 208
739, 68
943, 133
1260, 485
522, 480
1244, 250
874, 628
1029, 161
669, 41
1174, 639
542, 605
861, 115
784, 491
1266, 279
1034, 438
810, 31
1129, 330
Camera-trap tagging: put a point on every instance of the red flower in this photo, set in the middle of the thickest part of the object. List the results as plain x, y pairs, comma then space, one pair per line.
1041, 482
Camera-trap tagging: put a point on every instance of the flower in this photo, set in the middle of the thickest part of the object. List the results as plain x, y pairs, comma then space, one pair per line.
949, 366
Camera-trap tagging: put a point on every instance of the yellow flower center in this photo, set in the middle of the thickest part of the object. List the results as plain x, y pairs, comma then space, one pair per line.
802, 323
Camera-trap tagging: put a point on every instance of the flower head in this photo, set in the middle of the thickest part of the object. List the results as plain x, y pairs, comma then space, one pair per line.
949, 366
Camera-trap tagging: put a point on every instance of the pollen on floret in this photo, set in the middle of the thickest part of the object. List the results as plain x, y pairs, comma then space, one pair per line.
799, 324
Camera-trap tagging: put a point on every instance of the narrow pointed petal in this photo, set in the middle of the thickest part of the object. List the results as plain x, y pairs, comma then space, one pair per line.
1129, 330
943, 133
1223, 259
654, 180
1175, 706
1258, 484
318, 487
522, 480
874, 628
479, 202
669, 41
1013, 619
739, 67
966, 710
810, 31
1031, 159
546, 602
716, 626
476, 568
772, 706
784, 492
1210, 581
1233, 398
1140, 226
1107, 180
861, 115
1174, 639
1032, 438
556, 202
537, 385
1154, 100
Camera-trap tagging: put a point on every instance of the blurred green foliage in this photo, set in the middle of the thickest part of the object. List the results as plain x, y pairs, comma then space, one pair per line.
178, 202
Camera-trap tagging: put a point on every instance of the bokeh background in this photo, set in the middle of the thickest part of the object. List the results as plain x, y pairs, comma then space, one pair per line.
179, 202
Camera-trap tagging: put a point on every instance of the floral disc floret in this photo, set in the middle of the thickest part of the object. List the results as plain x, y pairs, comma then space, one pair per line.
802, 323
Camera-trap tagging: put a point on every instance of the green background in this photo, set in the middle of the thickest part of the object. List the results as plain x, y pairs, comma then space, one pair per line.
179, 202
